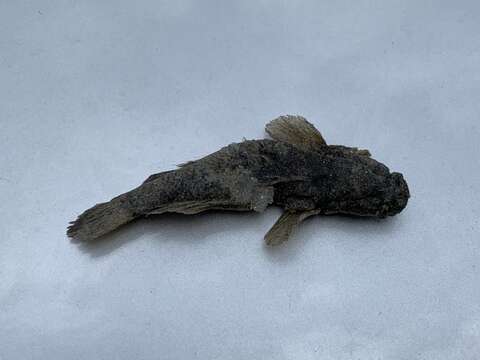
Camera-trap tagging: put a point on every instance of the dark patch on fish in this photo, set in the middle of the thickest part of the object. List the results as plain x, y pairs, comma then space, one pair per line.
296, 170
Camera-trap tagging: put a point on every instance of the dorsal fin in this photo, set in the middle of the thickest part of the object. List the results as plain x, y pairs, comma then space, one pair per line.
353, 150
295, 130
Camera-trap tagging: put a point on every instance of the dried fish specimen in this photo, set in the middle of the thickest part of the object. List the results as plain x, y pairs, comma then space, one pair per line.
296, 170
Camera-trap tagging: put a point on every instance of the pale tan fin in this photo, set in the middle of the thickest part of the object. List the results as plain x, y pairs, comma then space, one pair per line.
100, 220
353, 150
154, 177
285, 225
295, 130
256, 199
185, 207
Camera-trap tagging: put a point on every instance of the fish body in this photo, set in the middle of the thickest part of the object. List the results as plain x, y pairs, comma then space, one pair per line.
295, 170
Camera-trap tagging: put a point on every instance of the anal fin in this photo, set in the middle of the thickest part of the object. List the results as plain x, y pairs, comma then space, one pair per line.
185, 207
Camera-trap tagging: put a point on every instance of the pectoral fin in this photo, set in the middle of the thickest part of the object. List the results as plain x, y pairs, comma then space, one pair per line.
295, 130
285, 225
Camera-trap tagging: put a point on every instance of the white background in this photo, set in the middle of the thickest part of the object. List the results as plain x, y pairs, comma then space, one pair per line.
97, 95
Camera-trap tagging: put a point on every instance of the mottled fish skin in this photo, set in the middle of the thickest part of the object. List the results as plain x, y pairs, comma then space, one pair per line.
296, 170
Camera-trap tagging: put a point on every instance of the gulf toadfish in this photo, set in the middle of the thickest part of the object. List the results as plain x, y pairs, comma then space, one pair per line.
295, 170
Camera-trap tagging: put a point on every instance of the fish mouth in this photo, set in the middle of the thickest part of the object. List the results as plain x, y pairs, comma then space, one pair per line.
400, 193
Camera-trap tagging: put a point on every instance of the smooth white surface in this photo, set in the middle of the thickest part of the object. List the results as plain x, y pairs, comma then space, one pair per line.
97, 95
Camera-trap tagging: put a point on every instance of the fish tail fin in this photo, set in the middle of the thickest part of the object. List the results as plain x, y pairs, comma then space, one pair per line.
99, 220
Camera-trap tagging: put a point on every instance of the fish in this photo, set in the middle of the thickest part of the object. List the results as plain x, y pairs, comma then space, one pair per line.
295, 170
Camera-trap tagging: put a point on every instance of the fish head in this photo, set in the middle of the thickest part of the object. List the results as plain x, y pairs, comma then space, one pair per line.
366, 187
395, 196
387, 196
